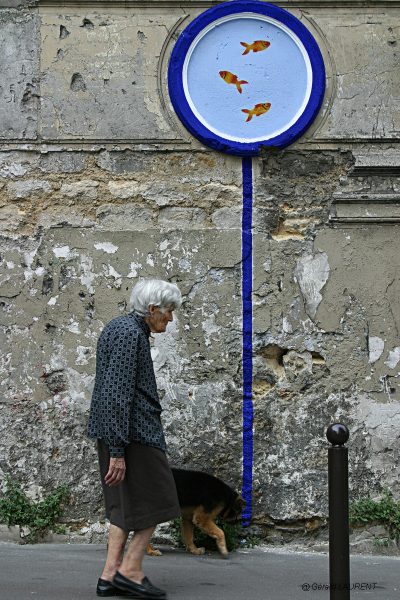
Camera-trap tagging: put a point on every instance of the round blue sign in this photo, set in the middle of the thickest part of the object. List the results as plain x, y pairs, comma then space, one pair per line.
244, 75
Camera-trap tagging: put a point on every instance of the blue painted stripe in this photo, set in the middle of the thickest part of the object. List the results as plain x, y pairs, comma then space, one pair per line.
247, 286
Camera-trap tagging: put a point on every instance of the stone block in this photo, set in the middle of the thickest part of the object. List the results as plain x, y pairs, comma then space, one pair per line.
182, 217
62, 162
123, 189
229, 217
11, 218
28, 188
124, 217
17, 163
19, 69
86, 189
59, 217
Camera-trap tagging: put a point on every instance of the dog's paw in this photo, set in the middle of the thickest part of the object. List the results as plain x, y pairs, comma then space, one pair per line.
197, 551
151, 551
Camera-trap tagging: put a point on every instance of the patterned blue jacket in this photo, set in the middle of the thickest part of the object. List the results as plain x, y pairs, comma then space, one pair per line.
125, 406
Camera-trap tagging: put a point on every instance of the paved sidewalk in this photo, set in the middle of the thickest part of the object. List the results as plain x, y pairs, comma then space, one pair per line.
70, 572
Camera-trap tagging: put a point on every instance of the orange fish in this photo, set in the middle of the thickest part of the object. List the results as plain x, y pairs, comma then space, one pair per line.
231, 78
256, 46
259, 109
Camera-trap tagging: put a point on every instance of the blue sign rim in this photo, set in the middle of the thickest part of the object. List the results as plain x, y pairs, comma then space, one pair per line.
181, 105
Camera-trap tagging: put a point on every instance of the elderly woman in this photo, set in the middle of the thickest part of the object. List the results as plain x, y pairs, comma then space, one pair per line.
138, 486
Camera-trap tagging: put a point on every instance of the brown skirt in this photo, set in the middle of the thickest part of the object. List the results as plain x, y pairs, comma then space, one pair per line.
147, 495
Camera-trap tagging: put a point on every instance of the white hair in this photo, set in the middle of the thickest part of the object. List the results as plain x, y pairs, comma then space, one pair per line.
154, 291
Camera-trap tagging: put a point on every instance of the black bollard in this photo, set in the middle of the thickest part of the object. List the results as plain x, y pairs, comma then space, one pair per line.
338, 477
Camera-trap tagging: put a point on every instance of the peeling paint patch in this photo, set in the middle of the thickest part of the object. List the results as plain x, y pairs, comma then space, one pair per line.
73, 327
62, 252
267, 265
184, 264
286, 325
311, 274
393, 358
111, 272
106, 247
376, 346
87, 276
133, 270
82, 355
209, 327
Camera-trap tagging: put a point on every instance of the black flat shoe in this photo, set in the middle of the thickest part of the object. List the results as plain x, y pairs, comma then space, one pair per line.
106, 588
144, 590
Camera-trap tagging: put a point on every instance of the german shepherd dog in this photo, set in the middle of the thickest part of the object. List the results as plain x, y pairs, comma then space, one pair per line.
203, 498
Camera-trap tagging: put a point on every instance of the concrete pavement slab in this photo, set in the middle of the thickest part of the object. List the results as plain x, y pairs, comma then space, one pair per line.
70, 572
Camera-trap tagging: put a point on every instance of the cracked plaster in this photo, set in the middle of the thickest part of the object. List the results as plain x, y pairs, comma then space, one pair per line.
94, 218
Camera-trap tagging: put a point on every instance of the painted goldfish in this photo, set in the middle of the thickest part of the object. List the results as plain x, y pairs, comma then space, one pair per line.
258, 110
256, 46
231, 78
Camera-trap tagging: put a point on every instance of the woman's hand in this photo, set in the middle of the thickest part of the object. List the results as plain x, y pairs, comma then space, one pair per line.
116, 471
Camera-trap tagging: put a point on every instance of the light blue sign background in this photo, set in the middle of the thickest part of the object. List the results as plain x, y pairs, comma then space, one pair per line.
277, 75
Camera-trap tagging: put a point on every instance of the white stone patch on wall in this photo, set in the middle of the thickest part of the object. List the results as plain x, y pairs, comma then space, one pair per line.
267, 265
166, 254
88, 276
106, 247
28, 258
165, 349
82, 355
73, 326
150, 260
184, 264
64, 252
311, 274
164, 245
393, 358
286, 325
134, 270
380, 427
34, 492
57, 361
109, 271
80, 388
376, 346
53, 300
210, 327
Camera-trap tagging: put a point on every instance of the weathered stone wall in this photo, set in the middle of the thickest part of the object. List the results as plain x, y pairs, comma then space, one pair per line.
100, 184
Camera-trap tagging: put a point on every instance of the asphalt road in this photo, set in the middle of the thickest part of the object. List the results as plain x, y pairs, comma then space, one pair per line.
70, 572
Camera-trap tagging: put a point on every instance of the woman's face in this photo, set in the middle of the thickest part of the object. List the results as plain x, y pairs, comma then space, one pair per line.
158, 319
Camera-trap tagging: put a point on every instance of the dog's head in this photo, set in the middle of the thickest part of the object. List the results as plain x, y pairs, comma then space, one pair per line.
232, 512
